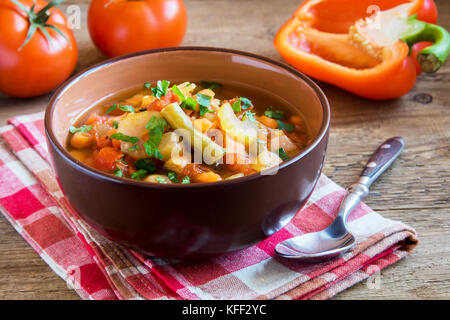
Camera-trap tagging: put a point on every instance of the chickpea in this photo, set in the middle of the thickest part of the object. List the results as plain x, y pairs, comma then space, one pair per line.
296, 119
208, 176
82, 140
157, 178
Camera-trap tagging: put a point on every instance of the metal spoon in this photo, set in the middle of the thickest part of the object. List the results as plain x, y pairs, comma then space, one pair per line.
336, 239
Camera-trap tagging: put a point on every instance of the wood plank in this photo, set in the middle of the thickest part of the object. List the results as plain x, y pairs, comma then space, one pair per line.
415, 190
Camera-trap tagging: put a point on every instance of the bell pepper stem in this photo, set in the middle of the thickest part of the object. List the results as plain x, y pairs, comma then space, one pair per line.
433, 57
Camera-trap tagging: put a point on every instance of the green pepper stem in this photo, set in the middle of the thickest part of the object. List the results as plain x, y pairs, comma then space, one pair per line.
433, 57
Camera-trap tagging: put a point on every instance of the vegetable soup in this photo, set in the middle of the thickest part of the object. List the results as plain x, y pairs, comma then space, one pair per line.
188, 133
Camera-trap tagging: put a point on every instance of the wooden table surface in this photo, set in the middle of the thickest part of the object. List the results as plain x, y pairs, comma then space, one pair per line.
415, 190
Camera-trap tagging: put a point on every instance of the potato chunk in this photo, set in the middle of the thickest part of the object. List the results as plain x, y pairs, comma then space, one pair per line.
177, 164
169, 141
266, 159
133, 125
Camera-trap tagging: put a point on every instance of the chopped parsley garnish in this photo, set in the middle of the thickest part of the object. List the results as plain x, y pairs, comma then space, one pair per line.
138, 175
289, 127
246, 103
122, 160
134, 148
161, 88
172, 175
115, 124
210, 85
145, 164
282, 154
236, 106
155, 126
186, 180
189, 104
81, 129
147, 85
186, 103
178, 92
277, 115
250, 115
203, 110
124, 137
241, 104
161, 180
118, 173
122, 107
204, 103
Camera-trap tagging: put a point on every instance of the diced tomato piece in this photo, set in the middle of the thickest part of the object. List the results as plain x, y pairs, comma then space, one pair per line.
170, 97
106, 159
103, 142
157, 105
116, 143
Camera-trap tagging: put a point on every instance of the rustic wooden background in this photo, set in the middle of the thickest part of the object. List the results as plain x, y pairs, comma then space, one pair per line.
415, 190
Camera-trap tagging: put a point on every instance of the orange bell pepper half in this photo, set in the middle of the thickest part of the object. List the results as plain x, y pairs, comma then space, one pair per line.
344, 43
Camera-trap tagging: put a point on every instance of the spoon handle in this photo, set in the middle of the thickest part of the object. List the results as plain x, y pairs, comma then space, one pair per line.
380, 160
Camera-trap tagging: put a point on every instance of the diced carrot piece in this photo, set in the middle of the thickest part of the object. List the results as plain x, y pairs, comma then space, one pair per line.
202, 124
268, 122
135, 100
106, 159
215, 124
147, 100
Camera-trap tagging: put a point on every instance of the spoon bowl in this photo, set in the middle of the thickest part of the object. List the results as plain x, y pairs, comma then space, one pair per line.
336, 239
316, 246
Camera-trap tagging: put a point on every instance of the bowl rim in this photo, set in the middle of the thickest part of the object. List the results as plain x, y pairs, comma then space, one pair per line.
61, 150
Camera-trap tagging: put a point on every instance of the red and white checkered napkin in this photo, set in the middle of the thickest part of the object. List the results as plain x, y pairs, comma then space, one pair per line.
97, 268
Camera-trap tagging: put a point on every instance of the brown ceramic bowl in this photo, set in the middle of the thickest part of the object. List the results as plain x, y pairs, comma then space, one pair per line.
194, 220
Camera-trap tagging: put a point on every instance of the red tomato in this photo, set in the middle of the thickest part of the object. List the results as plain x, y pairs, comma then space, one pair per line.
416, 48
428, 12
41, 65
118, 26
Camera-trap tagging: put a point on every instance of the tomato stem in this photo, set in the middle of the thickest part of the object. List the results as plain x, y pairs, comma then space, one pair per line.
38, 21
433, 57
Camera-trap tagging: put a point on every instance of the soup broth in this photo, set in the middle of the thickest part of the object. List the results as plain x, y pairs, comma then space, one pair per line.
187, 132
